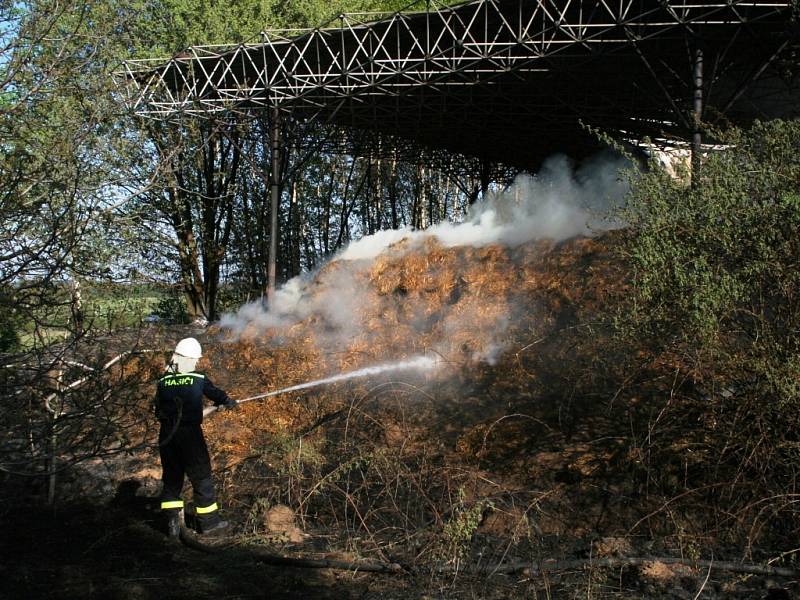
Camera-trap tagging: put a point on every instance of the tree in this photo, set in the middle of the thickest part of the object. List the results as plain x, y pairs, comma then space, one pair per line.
60, 168
188, 215
197, 168
196, 246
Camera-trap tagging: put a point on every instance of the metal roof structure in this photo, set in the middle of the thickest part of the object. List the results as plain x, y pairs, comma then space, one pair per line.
510, 81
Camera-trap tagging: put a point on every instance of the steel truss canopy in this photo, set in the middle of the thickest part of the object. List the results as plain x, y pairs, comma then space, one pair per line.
509, 81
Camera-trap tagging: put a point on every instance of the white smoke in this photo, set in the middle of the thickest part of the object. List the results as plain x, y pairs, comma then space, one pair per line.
558, 203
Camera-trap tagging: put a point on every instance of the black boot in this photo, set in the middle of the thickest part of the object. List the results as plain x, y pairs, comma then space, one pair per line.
218, 527
174, 523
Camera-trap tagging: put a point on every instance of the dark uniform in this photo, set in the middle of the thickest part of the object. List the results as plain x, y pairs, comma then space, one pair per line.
179, 407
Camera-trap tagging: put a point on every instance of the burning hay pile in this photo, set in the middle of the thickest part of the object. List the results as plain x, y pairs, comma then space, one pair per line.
473, 308
465, 306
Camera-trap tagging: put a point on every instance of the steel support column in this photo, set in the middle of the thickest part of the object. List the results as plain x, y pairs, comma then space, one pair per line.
275, 197
697, 115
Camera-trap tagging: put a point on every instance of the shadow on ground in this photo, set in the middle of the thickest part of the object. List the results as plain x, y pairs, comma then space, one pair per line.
120, 551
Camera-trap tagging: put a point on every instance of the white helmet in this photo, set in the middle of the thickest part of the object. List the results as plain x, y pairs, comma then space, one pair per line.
190, 348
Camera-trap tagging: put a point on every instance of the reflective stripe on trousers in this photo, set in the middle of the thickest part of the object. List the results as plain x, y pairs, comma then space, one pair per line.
204, 510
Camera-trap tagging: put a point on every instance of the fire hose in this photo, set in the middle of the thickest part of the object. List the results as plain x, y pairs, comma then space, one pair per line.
212, 409
425, 363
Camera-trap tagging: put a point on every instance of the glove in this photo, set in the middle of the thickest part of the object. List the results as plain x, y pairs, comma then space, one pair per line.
230, 404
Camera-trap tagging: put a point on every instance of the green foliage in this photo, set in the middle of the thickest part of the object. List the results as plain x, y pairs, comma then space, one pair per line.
9, 331
717, 264
710, 334
172, 308
315, 13
166, 27
58, 123
110, 312
463, 524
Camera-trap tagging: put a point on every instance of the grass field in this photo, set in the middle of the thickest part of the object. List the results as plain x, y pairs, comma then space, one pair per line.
105, 308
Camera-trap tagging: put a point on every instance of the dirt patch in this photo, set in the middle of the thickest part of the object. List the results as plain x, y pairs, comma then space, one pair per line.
279, 522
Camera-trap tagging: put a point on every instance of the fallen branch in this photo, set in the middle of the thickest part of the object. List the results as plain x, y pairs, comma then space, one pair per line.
105, 367
545, 566
190, 540
528, 569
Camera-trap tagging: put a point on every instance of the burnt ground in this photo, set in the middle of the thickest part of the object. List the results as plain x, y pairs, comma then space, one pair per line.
120, 552
551, 483
554, 483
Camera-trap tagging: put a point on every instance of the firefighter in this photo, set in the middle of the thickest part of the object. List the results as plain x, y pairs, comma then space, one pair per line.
183, 450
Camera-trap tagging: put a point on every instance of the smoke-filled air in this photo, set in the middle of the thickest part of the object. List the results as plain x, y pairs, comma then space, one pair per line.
402, 293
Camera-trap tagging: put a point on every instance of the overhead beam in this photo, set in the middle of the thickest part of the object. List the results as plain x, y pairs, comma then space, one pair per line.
483, 78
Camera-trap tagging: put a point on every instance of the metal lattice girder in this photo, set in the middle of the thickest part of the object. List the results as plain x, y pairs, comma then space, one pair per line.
507, 79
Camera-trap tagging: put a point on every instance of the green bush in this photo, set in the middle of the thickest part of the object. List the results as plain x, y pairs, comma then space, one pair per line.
717, 264
172, 308
714, 315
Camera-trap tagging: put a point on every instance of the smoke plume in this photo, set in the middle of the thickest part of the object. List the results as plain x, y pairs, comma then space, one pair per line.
560, 202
